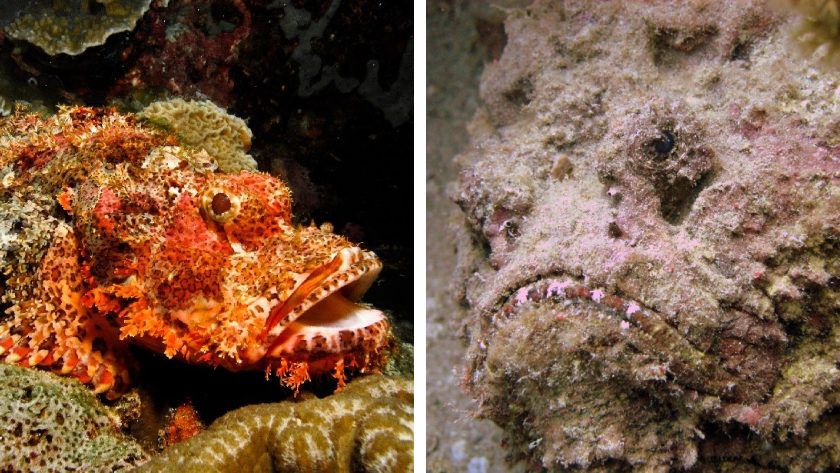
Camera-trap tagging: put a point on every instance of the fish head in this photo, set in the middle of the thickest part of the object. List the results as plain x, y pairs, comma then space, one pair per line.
210, 268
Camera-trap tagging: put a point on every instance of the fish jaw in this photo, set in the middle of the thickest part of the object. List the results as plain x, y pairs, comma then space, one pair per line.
318, 328
350, 271
326, 330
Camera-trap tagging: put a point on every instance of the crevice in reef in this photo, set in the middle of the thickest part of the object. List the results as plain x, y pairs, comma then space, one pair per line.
520, 93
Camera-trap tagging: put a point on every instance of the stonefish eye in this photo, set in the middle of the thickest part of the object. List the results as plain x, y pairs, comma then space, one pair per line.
219, 204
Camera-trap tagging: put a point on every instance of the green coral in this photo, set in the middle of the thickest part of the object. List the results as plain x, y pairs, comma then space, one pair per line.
401, 360
52, 423
368, 426
72, 26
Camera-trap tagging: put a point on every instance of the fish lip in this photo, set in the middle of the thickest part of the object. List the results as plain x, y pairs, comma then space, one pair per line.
351, 272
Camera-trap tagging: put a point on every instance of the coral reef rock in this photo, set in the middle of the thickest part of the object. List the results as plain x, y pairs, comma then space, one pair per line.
192, 49
51, 423
367, 427
668, 299
72, 26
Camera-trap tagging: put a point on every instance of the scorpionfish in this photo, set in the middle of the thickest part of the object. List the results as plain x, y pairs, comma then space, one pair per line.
111, 234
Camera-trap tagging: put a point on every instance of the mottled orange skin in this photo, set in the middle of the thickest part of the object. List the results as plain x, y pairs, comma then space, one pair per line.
124, 246
183, 423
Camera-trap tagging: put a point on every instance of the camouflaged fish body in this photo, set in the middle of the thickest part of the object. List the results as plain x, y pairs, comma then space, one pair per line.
111, 233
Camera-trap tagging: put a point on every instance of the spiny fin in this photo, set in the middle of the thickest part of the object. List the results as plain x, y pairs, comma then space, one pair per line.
53, 330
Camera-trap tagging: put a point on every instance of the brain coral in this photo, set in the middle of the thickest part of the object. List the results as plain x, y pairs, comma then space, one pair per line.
204, 124
51, 423
672, 303
366, 427
71, 26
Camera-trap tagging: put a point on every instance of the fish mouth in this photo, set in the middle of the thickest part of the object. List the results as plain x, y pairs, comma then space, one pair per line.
321, 316
694, 364
335, 325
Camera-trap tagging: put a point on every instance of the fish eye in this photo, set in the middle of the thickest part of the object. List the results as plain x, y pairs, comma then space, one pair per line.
664, 143
220, 205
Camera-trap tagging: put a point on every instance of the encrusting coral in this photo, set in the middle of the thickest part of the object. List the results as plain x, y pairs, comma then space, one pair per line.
203, 124
367, 427
671, 304
49, 423
72, 26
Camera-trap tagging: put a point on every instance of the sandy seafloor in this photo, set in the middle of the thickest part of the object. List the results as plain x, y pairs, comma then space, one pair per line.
462, 36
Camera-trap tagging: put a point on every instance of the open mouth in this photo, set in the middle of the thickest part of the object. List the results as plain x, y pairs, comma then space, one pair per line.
332, 326
321, 316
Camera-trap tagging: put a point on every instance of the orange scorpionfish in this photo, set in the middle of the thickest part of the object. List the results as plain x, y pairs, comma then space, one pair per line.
112, 234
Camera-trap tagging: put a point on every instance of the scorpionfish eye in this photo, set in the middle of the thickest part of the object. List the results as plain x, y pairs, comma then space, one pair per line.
250, 207
220, 205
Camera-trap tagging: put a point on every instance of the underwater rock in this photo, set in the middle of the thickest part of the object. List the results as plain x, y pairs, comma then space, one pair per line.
368, 427
72, 26
191, 49
672, 303
53, 423
818, 31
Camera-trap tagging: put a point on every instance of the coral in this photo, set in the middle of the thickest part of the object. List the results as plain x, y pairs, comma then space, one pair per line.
671, 303
401, 362
70, 27
191, 50
818, 31
205, 125
396, 102
297, 23
50, 423
367, 427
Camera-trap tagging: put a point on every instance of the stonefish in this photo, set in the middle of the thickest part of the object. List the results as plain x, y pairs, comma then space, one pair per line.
111, 233
651, 243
